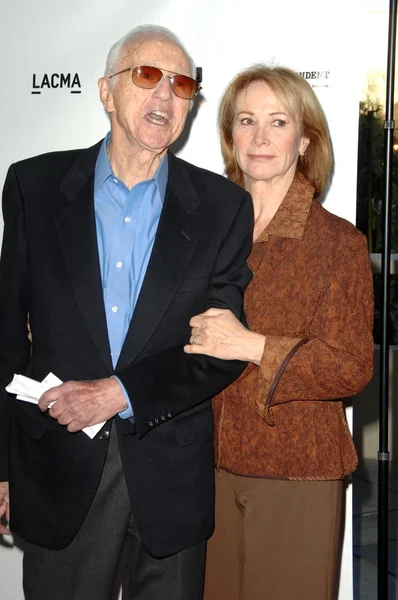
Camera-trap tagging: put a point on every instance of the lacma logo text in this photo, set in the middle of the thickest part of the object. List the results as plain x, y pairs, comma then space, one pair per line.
56, 81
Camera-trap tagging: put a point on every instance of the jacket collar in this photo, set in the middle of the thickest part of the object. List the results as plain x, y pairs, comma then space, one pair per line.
81, 171
181, 183
291, 217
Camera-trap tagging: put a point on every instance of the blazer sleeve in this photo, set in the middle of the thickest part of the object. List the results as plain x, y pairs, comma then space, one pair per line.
163, 385
336, 359
14, 305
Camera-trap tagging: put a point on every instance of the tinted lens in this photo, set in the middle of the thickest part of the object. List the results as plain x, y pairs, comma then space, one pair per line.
146, 77
149, 77
184, 86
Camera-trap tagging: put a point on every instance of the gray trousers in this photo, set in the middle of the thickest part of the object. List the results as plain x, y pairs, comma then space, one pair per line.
108, 548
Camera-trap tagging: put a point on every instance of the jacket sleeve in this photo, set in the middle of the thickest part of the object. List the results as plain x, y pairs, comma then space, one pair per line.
165, 384
336, 359
14, 303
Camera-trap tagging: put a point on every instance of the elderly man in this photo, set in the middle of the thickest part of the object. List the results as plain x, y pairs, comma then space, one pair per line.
110, 251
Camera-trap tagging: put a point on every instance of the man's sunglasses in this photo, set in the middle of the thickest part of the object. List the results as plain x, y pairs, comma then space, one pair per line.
148, 78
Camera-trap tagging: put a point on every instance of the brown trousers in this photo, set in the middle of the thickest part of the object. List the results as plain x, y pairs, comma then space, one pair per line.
274, 540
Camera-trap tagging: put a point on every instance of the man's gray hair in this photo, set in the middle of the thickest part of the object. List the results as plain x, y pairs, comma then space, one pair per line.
140, 33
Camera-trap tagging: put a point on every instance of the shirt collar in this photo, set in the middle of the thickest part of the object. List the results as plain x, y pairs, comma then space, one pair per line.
291, 217
161, 176
103, 170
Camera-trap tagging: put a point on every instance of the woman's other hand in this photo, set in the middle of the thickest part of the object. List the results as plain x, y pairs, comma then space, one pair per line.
218, 333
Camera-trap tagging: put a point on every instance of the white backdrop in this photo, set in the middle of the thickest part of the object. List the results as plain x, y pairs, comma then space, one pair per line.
38, 40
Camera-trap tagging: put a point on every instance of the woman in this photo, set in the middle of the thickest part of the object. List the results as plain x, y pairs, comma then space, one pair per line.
282, 442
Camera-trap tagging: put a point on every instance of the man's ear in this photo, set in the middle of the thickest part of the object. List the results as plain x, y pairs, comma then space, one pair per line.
106, 94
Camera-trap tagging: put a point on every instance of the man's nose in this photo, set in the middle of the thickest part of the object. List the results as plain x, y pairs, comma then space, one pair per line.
163, 89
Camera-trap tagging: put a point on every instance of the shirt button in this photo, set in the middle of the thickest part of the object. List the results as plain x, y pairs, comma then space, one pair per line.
127, 219
115, 180
119, 264
114, 309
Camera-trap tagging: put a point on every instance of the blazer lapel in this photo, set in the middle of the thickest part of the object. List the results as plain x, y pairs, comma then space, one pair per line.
77, 232
175, 242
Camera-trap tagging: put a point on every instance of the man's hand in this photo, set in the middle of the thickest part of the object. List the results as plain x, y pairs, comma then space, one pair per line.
4, 507
79, 404
217, 332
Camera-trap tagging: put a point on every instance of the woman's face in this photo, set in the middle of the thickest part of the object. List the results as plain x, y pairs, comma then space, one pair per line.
267, 141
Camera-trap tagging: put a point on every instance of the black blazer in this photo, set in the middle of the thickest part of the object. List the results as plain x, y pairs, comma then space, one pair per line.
50, 269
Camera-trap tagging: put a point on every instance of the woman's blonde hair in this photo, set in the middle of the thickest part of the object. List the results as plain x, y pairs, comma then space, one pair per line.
302, 105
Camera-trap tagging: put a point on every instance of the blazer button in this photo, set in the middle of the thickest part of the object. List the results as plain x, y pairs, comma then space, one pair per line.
156, 420
150, 423
162, 418
169, 415
105, 435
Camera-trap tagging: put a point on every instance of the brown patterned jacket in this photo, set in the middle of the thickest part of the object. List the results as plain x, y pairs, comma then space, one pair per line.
312, 297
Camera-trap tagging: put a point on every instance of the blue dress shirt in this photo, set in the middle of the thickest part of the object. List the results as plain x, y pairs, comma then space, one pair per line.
126, 222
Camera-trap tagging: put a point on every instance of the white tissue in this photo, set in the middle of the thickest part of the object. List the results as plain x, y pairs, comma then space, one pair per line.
29, 390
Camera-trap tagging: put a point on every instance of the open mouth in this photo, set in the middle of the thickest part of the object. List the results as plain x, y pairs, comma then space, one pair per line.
158, 117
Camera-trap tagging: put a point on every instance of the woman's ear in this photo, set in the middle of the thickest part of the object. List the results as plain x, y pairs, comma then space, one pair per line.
303, 145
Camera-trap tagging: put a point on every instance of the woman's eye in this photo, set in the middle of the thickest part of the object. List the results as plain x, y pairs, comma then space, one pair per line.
247, 121
279, 122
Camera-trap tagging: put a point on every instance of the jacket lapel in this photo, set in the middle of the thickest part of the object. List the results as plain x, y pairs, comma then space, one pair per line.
286, 229
175, 242
77, 232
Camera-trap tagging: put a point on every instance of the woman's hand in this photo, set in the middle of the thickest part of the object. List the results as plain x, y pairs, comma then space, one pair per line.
217, 332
